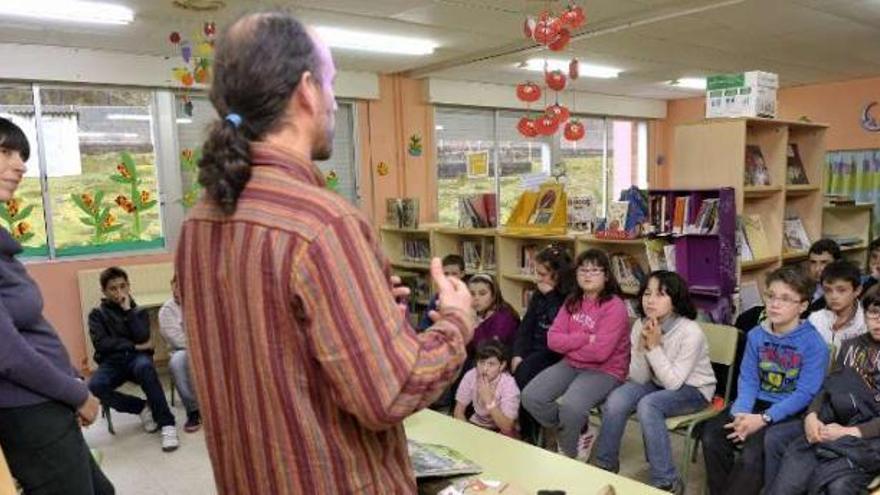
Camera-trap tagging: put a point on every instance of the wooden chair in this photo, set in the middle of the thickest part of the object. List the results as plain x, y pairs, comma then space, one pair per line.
7, 484
722, 341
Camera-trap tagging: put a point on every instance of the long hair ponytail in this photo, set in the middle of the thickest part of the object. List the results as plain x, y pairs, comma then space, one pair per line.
259, 62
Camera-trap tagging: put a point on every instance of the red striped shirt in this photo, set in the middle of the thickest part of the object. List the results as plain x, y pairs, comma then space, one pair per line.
304, 365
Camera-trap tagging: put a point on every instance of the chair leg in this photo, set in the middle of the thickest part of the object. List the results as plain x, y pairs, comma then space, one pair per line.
105, 412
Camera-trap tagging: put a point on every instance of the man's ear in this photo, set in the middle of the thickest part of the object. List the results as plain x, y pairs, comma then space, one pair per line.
307, 92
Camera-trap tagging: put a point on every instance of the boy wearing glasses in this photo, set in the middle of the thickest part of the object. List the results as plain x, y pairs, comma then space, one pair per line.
843, 317
837, 450
782, 370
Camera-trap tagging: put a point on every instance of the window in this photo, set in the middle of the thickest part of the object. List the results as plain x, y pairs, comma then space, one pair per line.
23, 216
464, 136
611, 156
100, 168
193, 124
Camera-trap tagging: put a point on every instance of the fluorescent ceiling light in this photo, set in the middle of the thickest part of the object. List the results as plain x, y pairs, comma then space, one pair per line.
438, 128
585, 70
68, 11
689, 83
127, 135
184, 120
372, 42
128, 116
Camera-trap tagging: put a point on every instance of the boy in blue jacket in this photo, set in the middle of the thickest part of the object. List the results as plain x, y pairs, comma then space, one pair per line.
782, 370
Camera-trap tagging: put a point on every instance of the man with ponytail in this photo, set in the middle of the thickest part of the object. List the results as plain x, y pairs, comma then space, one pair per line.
304, 364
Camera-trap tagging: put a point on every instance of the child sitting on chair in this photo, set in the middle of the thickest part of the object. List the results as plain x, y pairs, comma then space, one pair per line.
491, 390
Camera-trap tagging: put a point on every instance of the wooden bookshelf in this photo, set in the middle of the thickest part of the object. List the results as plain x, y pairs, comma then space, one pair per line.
850, 221
721, 145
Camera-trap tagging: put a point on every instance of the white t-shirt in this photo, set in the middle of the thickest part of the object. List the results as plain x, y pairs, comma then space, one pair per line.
823, 320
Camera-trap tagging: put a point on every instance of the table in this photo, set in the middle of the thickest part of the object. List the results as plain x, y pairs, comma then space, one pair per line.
521, 464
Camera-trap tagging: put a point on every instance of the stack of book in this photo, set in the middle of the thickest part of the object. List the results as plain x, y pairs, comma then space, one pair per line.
402, 213
478, 211
417, 250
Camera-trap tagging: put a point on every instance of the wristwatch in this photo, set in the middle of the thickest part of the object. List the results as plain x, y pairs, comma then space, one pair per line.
767, 418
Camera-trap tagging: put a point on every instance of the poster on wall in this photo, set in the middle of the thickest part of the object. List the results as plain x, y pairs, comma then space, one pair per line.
478, 164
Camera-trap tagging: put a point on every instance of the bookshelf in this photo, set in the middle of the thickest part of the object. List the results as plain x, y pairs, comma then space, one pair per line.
513, 279
720, 145
447, 240
853, 221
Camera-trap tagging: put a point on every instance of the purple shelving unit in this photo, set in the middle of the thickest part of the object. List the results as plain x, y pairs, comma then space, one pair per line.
706, 261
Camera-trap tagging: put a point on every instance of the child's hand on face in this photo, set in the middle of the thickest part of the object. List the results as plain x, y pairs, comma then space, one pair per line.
485, 390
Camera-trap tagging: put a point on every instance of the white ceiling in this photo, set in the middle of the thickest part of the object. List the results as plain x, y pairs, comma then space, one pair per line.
804, 41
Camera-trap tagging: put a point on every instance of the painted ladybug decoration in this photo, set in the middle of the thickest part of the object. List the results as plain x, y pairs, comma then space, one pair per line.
558, 112
574, 131
561, 40
555, 80
547, 125
527, 127
528, 92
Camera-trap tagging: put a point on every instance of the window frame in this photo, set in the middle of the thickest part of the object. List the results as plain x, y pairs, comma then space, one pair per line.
554, 146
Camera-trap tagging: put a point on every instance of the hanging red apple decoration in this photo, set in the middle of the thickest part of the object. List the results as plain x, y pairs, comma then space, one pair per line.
558, 112
547, 125
574, 69
561, 40
547, 28
573, 16
527, 127
574, 130
555, 80
174, 37
528, 92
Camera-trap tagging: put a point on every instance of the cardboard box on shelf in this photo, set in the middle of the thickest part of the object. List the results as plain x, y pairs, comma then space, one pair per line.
744, 94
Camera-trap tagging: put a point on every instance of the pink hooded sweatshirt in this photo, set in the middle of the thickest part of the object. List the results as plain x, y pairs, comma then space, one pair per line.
596, 337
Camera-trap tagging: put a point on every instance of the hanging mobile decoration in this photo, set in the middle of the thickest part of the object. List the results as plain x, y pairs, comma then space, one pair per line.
197, 54
554, 30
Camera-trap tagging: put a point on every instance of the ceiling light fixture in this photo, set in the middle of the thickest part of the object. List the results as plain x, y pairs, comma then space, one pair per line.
586, 70
372, 42
128, 116
68, 11
689, 83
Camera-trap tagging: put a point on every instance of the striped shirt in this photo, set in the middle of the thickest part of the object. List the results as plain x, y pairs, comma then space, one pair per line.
304, 364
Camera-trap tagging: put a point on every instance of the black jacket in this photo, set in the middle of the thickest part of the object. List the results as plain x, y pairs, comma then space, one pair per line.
531, 336
115, 332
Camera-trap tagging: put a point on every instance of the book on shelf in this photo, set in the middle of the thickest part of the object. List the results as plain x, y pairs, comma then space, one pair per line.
680, 215
845, 241
417, 250
749, 295
489, 262
706, 221
527, 259
478, 211
669, 254
628, 272
431, 460
795, 235
471, 252
756, 173
742, 244
656, 254
796, 174
420, 289
756, 236
402, 213
546, 206
617, 215
581, 213
657, 213
839, 200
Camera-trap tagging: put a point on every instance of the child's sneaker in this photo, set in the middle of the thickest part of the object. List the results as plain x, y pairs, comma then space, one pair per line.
585, 446
150, 425
193, 422
170, 442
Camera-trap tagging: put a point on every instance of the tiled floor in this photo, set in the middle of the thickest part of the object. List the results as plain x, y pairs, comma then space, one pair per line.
134, 460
